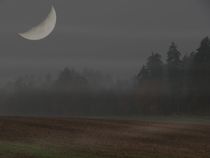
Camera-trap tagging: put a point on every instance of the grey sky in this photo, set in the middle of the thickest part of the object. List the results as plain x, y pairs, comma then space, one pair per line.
115, 36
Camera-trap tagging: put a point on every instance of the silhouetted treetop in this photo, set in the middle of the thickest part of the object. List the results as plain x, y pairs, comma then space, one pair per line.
205, 45
203, 54
155, 65
173, 55
153, 68
70, 79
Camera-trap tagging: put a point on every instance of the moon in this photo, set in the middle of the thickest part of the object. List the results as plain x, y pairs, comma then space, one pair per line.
42, 30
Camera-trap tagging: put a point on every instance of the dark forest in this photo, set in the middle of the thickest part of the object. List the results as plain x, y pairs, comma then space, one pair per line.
175, 86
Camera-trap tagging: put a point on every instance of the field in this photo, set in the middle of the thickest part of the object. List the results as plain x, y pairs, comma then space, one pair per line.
22, 137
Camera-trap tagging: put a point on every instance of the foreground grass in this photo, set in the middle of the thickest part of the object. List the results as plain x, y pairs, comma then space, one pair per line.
13, 150
20, 150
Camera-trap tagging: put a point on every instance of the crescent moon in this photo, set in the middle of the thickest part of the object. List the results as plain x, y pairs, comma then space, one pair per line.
42, 30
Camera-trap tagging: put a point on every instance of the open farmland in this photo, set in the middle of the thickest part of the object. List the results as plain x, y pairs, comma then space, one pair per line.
22, 137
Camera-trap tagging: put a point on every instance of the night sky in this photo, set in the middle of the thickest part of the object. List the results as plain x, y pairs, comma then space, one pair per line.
114, 36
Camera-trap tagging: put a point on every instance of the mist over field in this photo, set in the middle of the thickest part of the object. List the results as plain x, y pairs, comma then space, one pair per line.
177, 85
104, 79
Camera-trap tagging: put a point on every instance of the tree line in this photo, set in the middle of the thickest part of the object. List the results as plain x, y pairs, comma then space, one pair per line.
178, 85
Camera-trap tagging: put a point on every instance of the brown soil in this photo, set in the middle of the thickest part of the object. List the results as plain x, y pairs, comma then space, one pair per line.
115, 137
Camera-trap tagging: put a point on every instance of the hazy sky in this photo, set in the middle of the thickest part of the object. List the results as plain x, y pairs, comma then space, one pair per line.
115, 36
